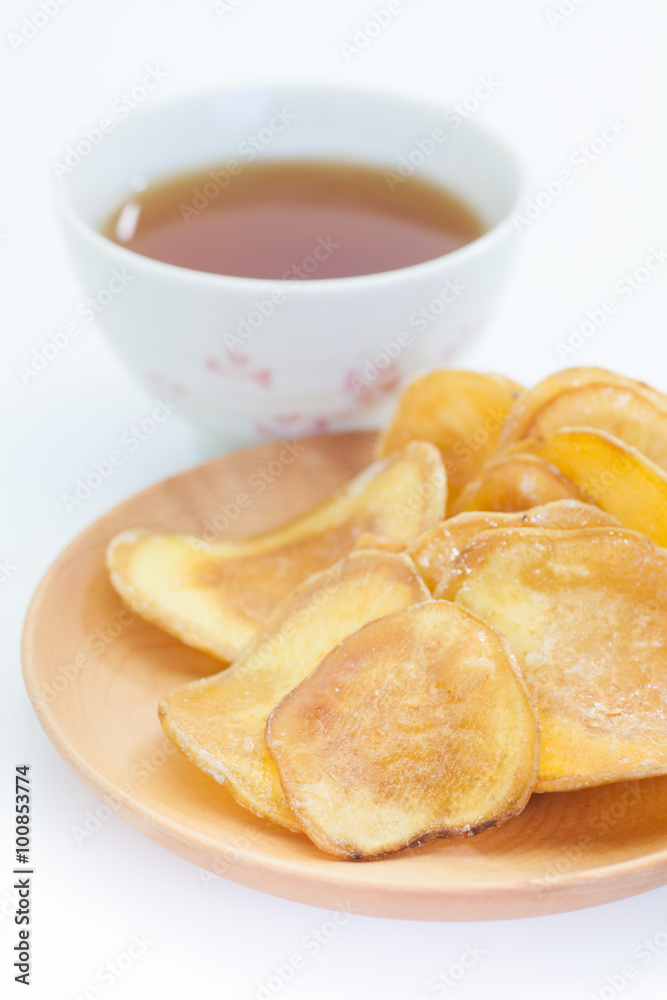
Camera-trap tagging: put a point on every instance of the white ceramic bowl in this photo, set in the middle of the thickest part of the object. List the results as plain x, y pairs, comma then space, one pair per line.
305, 355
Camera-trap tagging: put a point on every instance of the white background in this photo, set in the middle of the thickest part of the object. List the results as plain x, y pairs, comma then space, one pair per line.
559, 82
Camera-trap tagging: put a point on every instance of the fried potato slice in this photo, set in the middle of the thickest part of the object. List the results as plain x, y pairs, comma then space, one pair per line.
459, 411
219, 722
367, 540
592, 397
613, 474
417, 726
215, 595
436, 549
585, 611
515, 482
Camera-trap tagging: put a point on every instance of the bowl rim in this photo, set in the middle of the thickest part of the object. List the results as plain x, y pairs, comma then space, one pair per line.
496, 233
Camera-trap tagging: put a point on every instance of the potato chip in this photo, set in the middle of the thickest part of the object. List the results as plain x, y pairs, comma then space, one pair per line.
436, 549
215, 595
585, 611
460, 412
417, 726
367, 540
219, 722
595, 398
612, 474
516, 482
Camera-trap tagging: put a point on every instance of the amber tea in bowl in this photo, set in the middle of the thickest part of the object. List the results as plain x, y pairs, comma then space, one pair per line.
263, 218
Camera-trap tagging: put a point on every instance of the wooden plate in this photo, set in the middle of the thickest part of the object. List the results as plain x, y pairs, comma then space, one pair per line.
94, 674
